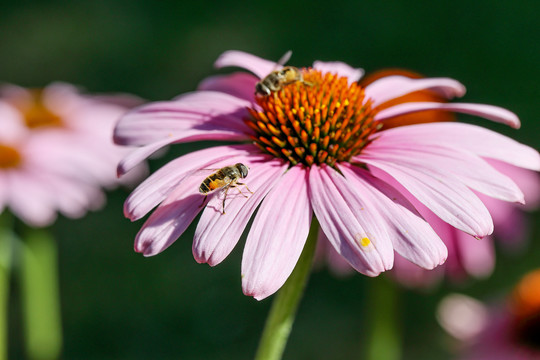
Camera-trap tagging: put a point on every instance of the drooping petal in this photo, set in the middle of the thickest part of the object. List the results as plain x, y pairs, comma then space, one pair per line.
391, 87
239, 84
356, 231
255, 64
340, 68
441, 193
494, 113
158, 186
412, 236
481, 141
217, 233
200, 112
464, 166
277, 236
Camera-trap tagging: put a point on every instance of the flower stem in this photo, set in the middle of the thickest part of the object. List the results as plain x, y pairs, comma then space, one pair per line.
6, 247
281, 317
40, 295
384, 341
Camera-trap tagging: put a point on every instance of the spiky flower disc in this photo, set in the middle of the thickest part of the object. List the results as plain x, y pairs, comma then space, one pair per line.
321, 120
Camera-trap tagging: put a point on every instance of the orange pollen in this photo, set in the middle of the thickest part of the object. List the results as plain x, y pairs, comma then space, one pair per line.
319, 120
9, 157
38, 115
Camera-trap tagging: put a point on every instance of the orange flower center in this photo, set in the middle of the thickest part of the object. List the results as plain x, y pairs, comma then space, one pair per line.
36, 114
525, 306
9, 157
320, 120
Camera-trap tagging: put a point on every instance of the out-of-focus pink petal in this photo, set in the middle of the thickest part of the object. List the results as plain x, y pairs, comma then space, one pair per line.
354, 229
460, 166
476, 256
511, 224
481, 141
449, 199
464, 318
528, 181
255, 64
11, 124
277, 236
391, 87
411, 235
62, 97
238, 84
29, 200
217, 233
411, 275
203, 111
340, 68
491, 112
158, 186
171, 218
335, 261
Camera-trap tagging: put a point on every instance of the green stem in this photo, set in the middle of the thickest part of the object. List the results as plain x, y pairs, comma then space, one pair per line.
40, 294
281, 317
6, 247
384, 341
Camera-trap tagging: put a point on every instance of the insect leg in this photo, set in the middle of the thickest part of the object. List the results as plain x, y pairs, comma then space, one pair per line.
238, 183
225, 198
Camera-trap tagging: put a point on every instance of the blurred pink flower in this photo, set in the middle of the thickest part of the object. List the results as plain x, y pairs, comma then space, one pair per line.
315, 146
510, 330
56, 151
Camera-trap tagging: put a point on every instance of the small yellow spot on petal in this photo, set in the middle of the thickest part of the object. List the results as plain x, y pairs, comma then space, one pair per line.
365, 242
362, 240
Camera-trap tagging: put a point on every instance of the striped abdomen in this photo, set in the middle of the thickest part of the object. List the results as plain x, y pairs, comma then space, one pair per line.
215, 181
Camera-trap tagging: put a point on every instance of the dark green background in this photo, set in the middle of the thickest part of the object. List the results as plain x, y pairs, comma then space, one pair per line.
119, 305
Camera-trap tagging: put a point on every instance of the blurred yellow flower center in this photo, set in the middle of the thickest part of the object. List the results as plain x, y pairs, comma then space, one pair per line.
36, 114
526, 309
321, 120
9, 157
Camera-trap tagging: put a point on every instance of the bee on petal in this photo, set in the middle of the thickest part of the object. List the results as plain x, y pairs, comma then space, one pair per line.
224, 178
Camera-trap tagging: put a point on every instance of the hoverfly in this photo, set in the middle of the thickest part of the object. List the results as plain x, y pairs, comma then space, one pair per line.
225, 178
277, 79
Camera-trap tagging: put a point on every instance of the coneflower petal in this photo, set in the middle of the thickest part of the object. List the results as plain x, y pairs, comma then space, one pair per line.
391, 87
276, 238
356, 231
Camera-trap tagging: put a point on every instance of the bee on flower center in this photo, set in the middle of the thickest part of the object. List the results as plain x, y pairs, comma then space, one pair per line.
224, 178
277, 79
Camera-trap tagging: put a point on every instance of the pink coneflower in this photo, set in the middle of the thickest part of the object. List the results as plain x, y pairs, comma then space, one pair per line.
56, 151
510, 330
315, 147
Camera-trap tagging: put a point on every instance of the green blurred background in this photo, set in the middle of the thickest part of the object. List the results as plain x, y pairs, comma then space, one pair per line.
117, 304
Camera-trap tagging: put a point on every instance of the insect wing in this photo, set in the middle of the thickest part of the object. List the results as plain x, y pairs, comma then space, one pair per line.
283, 60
